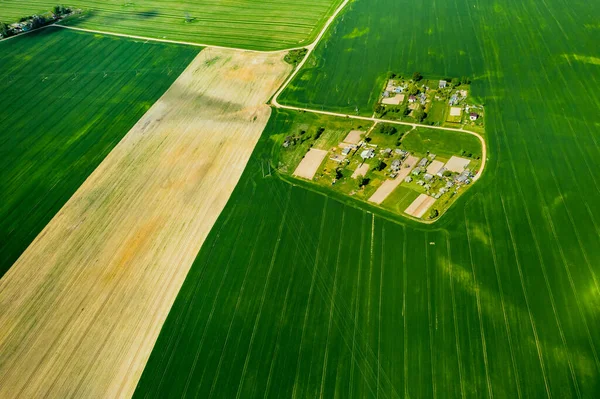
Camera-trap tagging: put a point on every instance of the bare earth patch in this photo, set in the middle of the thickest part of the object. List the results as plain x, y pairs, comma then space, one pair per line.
389, 186
310, 163
361, 170
82, 307
420, 205
396, 100
435, 167
457, 164
354, 137
455, 111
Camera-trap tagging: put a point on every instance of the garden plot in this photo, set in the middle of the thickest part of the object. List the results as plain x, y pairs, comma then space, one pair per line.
457, 164
83, 305
389, 186
420, 205
310, 163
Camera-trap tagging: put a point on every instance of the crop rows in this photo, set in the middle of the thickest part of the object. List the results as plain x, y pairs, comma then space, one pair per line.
70, 98
256, 25
497, 299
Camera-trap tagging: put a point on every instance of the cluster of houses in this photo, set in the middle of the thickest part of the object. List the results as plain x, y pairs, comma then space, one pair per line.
428, 169
35, 21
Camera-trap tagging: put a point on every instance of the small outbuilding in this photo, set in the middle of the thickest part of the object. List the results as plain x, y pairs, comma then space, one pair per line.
443, 84
474, 116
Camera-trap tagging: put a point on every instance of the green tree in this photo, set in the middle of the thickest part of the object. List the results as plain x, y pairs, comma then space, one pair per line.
419, 114
3, 29
433, 214
338, 173
412, 89
417, 76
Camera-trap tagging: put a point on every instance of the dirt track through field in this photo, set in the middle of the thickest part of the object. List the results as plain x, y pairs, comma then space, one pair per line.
82, 307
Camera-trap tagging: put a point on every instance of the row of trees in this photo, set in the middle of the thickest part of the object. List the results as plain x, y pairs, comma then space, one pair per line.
35, 21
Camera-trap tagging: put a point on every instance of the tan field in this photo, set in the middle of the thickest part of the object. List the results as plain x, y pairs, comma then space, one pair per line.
420, 205
389, 186
434, 167
354, 137
361, 171
82, 307
310, 163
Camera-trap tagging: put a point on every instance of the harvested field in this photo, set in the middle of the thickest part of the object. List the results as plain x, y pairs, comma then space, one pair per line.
389, 186
457, 164
455, 111
82, 307
420, 205
354, 137
396, 100
310, 163
435, 167
361, 170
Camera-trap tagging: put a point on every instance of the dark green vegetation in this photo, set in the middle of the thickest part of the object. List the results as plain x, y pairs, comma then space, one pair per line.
296, 294
271, 25
68, 98
294, 57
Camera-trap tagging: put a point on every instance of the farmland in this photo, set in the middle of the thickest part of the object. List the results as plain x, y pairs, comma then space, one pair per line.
245, 24
83, 305
69, 98
317, 297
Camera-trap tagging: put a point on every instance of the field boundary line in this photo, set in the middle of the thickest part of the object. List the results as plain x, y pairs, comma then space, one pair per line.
310, 293
431, 344
456, 330
524, 289
478, 301
331, 307
501, 291
264, 294
355, 300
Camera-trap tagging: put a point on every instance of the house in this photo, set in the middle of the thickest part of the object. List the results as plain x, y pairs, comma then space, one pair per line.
427, 177
412, 99
453, 99
408, 179
440, 172
443, 84
474, 116
396, 165
386, 94
416, 171
366, 154
449, 184
432, 156
387, 152
346, 150
398, 90
423, 162
422, 98
400, 152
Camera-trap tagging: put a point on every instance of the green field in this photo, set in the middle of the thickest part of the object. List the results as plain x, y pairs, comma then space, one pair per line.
443, 143
299, 295
275, 24
69, 97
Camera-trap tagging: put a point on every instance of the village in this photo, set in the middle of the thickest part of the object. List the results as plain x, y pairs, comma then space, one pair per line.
406, 171
31, 22
438, 102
